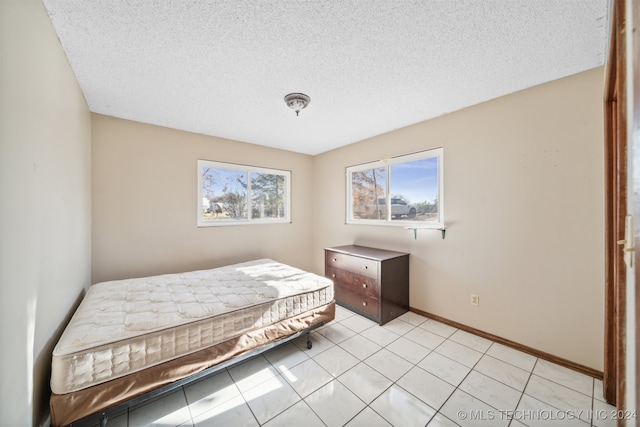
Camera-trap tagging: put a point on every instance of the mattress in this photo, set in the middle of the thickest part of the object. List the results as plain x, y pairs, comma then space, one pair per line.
125, 326
70, 407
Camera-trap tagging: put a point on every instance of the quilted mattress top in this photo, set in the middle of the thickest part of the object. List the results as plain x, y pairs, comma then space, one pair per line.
122, 309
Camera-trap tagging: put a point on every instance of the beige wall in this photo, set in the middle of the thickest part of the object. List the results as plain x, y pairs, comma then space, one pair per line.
45, 173
523, 199
145, 203
523, 204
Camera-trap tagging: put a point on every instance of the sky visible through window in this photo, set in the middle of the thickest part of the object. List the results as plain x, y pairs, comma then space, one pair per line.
220, 181
405, 190
417, 181
231, 193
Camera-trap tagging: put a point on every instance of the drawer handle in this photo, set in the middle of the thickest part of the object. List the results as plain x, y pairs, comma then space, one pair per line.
333, 275
364, 285
366, 267
364, 303
335, 259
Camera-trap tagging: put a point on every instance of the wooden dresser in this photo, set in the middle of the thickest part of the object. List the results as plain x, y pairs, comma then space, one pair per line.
372, 282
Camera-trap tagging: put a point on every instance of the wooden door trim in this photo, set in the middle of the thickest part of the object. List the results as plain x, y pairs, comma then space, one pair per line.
615, 210
635, 186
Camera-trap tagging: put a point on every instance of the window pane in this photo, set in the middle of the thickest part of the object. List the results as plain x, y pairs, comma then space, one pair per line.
231, 194
224, 194
414, 190
405, 191
267, 195
369, 191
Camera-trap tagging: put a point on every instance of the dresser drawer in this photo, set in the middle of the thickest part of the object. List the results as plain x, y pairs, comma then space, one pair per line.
370, 281
353, 282
359, 302
363, 266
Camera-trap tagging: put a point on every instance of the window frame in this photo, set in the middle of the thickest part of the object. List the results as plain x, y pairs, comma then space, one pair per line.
386, 164
286, 219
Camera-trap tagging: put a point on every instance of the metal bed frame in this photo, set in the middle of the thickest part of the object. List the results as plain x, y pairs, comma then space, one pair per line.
102, 417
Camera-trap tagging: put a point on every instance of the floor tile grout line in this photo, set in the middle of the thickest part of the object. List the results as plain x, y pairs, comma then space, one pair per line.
593, 401
367, 405
485, 353
281, 412
456, 388
412, 366
302, 398
184, 392
240, 394
544, 402
334, 378
524, 388
376, 412
314, 412
434, 350
398, 385
415, 365
562, 385
344, 385
505, 362
244, 399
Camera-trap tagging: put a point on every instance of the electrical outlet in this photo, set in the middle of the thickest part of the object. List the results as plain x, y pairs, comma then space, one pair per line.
475, 300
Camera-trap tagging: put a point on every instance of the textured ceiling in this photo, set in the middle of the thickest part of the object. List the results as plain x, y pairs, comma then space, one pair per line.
222, 68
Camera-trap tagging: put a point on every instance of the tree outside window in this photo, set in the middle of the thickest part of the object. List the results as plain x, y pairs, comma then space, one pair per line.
234, 194
405, 191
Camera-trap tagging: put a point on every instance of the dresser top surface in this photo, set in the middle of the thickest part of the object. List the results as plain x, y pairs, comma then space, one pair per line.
367, 252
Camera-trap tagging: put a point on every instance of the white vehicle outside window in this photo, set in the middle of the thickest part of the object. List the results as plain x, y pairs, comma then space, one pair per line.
404, 191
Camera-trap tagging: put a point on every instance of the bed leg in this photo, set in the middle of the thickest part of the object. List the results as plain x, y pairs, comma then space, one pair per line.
103, 420
309, 343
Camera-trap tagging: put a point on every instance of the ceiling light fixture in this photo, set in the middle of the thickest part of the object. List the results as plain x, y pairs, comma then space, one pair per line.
297, 101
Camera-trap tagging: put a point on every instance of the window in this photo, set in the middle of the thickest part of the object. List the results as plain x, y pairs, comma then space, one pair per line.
230, 194
404, 191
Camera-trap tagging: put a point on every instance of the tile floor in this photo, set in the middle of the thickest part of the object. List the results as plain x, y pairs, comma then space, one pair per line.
413, 371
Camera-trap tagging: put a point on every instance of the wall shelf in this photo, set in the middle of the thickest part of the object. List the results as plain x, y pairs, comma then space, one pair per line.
443, 231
